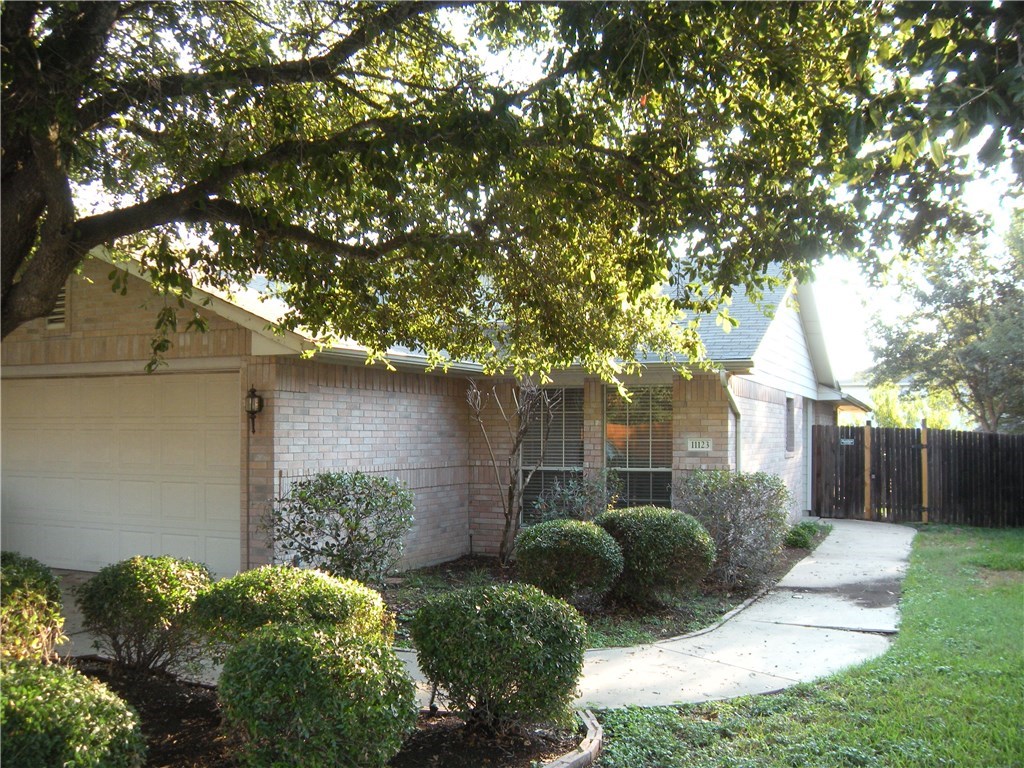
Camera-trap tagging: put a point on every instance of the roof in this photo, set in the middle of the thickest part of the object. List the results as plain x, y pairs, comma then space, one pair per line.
732, 350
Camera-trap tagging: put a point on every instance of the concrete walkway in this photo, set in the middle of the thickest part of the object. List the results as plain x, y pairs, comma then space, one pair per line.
837, 608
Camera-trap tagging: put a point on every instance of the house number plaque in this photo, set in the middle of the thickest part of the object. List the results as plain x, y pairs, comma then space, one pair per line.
699, 444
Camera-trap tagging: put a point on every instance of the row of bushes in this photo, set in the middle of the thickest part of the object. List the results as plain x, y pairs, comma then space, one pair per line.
634, 554
310, 676
739, 520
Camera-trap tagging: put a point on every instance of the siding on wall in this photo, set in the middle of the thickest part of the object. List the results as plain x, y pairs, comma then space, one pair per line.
783, 360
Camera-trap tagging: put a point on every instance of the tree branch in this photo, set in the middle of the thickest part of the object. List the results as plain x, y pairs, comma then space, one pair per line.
91, 114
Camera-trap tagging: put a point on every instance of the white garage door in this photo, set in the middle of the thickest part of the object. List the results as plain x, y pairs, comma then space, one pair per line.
96, 470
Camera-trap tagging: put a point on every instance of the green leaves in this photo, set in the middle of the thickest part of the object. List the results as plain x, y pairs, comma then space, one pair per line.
393, 188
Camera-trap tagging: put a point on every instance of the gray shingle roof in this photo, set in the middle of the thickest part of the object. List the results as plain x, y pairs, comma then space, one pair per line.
742, 341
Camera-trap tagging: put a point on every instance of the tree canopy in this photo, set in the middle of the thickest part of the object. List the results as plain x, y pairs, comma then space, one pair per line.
384, 177
962, 331
893, 408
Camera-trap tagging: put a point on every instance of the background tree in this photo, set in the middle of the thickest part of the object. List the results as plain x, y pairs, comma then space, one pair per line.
894, 408
962, 331
379, 174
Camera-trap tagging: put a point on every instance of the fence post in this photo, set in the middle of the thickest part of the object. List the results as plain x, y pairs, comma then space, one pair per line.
867, 470
924, 471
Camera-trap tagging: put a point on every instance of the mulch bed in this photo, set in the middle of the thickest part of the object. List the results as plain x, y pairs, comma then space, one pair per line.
182, 726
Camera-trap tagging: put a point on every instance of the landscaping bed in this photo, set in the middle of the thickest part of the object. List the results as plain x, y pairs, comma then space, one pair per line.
181, 723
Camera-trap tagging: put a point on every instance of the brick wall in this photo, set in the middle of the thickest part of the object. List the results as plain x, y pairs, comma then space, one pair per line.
763, 433
103, 326
700, 409
412, 427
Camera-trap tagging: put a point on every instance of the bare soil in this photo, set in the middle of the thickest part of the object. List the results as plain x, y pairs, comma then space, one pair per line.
182, 726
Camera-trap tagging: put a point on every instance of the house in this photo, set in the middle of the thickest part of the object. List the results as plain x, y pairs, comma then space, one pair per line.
101, 461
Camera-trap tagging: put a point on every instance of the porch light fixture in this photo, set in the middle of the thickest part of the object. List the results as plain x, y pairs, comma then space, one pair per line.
253, 405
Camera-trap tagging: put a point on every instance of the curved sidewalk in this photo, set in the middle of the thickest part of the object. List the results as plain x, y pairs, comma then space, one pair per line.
837, 607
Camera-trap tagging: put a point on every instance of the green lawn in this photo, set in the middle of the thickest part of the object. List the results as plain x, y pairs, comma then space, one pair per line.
950, 692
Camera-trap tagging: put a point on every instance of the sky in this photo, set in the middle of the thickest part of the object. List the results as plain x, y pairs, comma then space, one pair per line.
846, 304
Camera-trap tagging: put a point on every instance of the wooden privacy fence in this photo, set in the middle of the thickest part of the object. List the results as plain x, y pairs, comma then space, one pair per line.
919, 475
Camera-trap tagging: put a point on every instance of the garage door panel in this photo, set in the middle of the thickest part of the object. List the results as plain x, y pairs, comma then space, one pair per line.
182, 397
219, 449
49, 400
95, 448
137, 397
181, 450
59, 494
214, 403
138, 447
97, 500
188, 547
97, 401
221, 554
64, 543
92, 545
137, 499
99, 469
180, 502
221, 503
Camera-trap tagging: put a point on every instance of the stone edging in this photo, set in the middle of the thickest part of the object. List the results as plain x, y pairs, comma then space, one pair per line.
586, 753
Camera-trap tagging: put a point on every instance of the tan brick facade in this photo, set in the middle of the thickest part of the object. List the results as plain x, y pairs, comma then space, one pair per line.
416, 427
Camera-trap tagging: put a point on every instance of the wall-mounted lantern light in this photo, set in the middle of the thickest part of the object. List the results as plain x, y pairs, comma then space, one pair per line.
253, 405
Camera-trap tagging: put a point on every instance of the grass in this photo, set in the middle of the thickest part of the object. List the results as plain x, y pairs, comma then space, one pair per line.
950, 692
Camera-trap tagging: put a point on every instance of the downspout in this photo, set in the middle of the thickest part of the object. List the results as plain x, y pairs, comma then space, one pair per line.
735, 408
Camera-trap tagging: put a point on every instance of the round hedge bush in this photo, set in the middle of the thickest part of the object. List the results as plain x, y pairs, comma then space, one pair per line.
316, 697
662, 550
501, 654
31, 618
571, 559
281, 594
54, 715
139, 610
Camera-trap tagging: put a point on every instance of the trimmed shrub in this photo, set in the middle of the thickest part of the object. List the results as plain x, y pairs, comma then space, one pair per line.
662, 550
502, 654
54, 715
571, 559
315, 697
578, 497
139, 610
280, 594
31, 621
801, 535
746, 515
349, 524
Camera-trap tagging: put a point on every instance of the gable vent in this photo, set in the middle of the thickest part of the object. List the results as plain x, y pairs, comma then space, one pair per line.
58, 315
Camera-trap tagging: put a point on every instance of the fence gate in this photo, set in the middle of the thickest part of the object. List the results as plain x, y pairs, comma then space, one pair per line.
918, 475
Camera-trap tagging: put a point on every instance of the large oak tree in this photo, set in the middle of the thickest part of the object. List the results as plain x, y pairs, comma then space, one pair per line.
390, 182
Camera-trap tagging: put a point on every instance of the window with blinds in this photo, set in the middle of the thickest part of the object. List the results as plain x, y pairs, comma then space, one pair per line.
554, 445
638, 444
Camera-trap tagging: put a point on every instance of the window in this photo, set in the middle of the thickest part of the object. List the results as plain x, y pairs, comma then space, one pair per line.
562, 446
790, 425
638, 444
